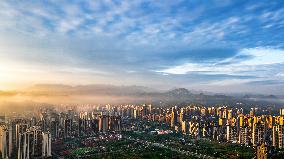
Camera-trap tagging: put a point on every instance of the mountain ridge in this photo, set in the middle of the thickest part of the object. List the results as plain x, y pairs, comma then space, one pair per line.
138, 94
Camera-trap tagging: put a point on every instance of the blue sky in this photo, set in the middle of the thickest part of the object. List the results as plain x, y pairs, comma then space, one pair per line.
210, 45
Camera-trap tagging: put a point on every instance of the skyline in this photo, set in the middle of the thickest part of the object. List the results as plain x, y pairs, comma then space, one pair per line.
219, 46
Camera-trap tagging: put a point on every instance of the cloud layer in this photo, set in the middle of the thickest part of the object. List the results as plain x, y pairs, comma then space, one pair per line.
198, 45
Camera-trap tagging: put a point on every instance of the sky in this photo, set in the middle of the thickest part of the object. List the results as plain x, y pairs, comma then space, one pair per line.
211, 45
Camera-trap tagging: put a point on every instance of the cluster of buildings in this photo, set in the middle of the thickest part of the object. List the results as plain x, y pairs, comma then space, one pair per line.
75, 124
228, 125
31, 137
18, 139
254, 127
225, 124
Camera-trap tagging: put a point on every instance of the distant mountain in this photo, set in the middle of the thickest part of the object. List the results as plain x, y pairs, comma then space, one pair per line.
139, 93
49, 89
261, 96
57, 93
179, 92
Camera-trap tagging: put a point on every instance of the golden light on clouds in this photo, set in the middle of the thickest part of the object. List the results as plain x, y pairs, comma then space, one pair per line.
18, 74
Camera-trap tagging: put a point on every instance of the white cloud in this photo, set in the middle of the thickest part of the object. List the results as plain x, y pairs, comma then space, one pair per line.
227, 82
207, 69
210, 33
69, 25
263, 56
280, 74
259, 59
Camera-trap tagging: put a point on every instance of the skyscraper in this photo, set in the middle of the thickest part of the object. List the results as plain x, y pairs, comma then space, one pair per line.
33, 143
20, 129
68, 123
174, 117
46, 144
103, 123
4, 142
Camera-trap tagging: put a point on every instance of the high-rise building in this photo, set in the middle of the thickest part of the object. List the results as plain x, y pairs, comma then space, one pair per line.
23, 145
144, 111
258, 133
46, 144
20, 129
261, 151
95, 125
115, 123
33, 143
243, 136
54, 128
181, 115
277, 136
32, 122
5, 142
82, 126
136, 113
228, 133
150, 108
37, 141
103, 123
185, 127
68, 123
43, 121
281, 111
194, 129
174, 118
